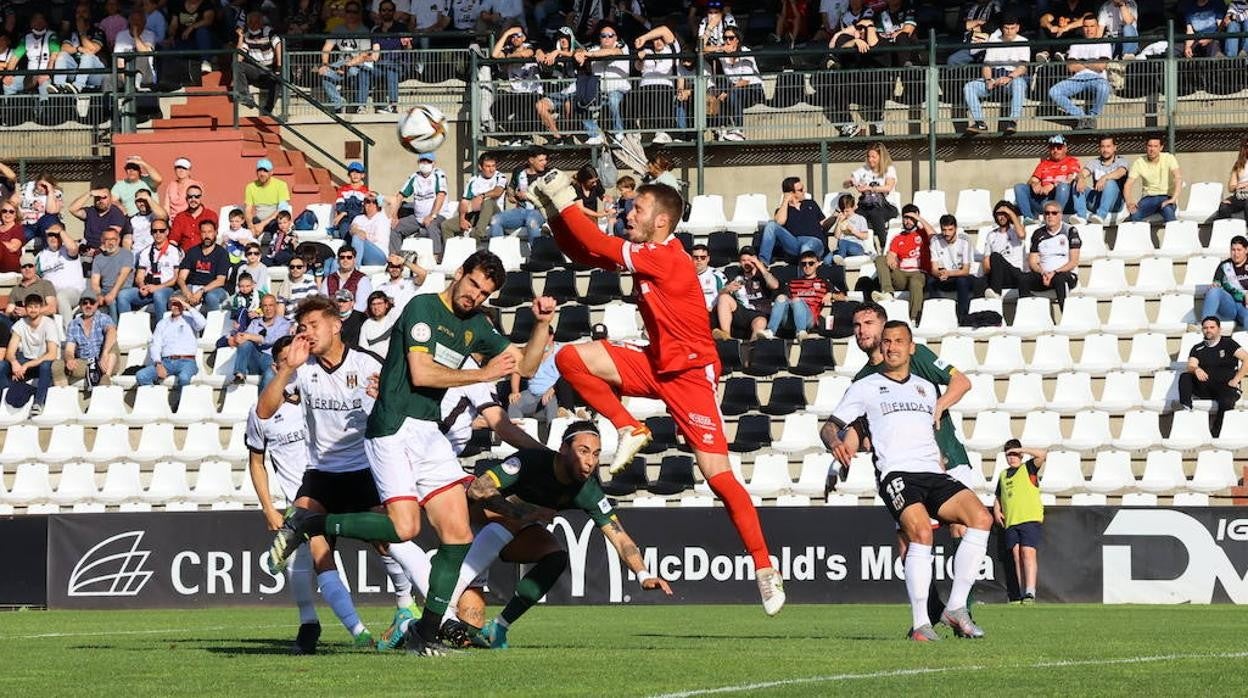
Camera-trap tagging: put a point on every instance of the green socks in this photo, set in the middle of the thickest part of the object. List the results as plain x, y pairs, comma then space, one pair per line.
535, 584
364, 525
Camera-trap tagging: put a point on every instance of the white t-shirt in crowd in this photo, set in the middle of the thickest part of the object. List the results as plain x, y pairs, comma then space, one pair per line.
377, 229
1007, 58
1007, 243
1091, 53
61, 270
614, 72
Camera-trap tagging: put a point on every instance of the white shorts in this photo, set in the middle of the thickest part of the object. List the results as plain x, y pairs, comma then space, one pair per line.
416, 462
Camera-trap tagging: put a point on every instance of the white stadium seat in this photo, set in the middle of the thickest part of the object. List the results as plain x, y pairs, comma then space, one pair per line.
1190, 499
1126, 316
454, 251
214, 483
21, 444
1180, 240
1004, 356
813, 478
770, 477
1165, 392
168, 483
122, 484
1155, 277
1107, 279
1062, 473
155, 443
1051, 355
827, 395
800, 432
1023, 393
1092, 235
31, 485
1174, 313
10, 415
508, 250
940, 317
202, 441
151, 404
1202, 202
77, 484
107, 404
1198, 276
974, 207
1224, 229
1138, 431
1120, 392
861, 477
134, 330
1234, 434
1072, 393
1188, 431
1133, 241
1079, 317
621, 321
706, 215
1163, 473
992, 429
750, 212
214, 329
67, 443
1042, 429
982, 395
1032, 317
1112, 473
1215, 471
112, 442
1148, 353
931, 203
61, 407
957, 351
1090, 431
239, 399
504, 449
855, 359
196, 405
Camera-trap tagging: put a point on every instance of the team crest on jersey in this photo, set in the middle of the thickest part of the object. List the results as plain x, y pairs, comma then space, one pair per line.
920, 390
468, 337
421, 332
511, 466
353, 380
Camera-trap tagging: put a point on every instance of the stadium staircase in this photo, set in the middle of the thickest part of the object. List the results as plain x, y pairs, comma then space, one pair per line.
224, 156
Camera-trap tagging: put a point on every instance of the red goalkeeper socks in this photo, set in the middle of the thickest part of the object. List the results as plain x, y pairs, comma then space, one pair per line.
743, 514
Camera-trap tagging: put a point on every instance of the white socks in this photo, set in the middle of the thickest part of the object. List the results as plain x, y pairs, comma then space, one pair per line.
302, 580
402, 585
918, 567
414, 562
966, 563
486, 545
339, 599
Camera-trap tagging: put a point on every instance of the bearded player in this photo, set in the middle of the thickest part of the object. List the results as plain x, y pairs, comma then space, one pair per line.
680, 365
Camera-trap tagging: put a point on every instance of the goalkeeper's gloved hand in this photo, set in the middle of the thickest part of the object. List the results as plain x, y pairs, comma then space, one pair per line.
553, 192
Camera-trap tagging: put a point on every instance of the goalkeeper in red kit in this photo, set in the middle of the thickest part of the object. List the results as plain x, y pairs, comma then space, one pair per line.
680, 366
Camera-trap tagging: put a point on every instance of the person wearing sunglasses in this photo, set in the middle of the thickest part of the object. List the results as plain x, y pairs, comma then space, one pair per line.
91, 338
156, 274
58, 263
98, 213
1055, 178
804, 299
1054, 255
253, 264
711, 28
608, 59
344, 275
739, 87
30, 284
300, 284
12, 237
184, 227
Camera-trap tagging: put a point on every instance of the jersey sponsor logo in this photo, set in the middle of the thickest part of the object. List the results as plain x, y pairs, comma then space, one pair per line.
511, 466
114, 567
447, 357
448, 332
701, 420
942, 364
334, 404
421, 332
904, 406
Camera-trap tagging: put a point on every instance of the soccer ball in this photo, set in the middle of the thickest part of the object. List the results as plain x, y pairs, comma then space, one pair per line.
422, 129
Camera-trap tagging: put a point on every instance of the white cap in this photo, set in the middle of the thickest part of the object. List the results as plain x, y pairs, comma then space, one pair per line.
182, 162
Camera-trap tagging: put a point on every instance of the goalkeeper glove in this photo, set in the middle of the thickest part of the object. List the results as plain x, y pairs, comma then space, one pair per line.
553, 192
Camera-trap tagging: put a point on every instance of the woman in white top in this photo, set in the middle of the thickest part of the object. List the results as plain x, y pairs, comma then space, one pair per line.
1004, 262
874, 181
656, 95
659, 171
613, 81
375, 331
739, 87
1236, 200
836, 89
370, 232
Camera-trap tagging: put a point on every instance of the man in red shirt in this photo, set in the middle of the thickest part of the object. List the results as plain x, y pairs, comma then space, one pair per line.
1055, 178
807, 295
905, 266
184, 228
680, 365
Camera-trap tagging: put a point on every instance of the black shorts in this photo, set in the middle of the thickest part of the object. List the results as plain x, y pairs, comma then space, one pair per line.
340, 493
743, 319
932, 490
1027, 534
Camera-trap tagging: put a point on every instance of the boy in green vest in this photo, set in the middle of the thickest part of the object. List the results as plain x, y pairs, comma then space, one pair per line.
1020, 512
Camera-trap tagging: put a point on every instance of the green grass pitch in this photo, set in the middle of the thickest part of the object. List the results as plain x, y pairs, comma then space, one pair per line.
641, 651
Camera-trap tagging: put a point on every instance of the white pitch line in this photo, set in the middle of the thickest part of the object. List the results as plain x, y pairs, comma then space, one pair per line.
741, 688
210, 628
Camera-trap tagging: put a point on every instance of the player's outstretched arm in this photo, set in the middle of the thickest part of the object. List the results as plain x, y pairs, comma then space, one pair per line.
535, 350
497, 420
427, 373
959, 385
631, 555
577, 236
485, 491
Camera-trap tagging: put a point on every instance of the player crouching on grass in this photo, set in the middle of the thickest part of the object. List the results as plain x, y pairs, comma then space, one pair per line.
900, 411
680, 365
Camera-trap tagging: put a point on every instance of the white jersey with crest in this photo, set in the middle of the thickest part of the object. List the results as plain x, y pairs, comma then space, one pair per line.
337, 406
459, 407
284, 436
899, 421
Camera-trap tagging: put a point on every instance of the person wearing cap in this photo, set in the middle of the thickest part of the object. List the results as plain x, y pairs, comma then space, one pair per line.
201, 277
31, 285
427, 189
264, 197
1019, 510
343, 275
33, 346
352, 318
1160, 180
111, 270
1057, 177
177, 188
370, 232
12, 237
136, 175
58, 263
264, 47
102, 214
398, 288
1005, 69
90, 338
156, 274
350, 201
174, 344
254, 344
184, 227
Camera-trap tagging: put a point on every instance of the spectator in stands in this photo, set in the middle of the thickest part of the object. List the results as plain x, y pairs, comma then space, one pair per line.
111, 270
1235, 20
608, 59
264, 197
114, 22
1055, 178
798, 226
350, 201
523, 217
803, 299
480, 201
851, 48
304, 16
299, 285
201, 278
711, 28
38, 204
83, 50
242, 307
590, 194
626, 186
102, 215
744, 304
952, 255
90, 345
1120, 18
58, 263
352, 317
282, 242
558, 70
1103, 194
156, 21
515, 103
137, 174
264, 49
177, 188
659, 171
1227, 298
874, 181
1236, 200
370, 232
32, 348
12, 237
156, 274
1160, 182
427, 189
136, 38
236, 236
387, 49
397, 287
31, 284
979, 21
254, 266
1054, 254
253, 346
375, 330
174, 344
1202, 17
897, 25
845, 234
1005, 67
146, 212
190, 29
1086, 64
1019, 510
711, 279
1215, 369
903, 267
740, 88
184, 228
539, 396
354, 59
1004, 264
347, 277
41, 48
656, 95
